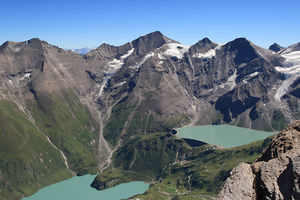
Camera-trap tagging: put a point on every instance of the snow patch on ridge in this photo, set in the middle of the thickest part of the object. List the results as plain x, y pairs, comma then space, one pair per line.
246, 79
176, 49
209, 54
128, 54
25, 76
101, 87
116, 64
253, 74
230, 82
144, 60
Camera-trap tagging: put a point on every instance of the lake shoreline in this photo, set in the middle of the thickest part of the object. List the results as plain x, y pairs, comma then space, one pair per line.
78, 188
224, 135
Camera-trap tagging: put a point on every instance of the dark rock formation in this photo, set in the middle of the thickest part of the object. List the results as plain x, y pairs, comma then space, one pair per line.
276, 47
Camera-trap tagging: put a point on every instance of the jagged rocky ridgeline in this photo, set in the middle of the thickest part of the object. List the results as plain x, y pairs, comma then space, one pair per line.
207, 83
275, 175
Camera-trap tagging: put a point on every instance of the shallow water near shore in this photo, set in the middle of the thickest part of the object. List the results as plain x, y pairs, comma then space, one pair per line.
224, 135
78, 188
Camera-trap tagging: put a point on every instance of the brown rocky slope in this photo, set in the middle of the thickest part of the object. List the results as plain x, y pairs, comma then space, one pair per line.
275, 175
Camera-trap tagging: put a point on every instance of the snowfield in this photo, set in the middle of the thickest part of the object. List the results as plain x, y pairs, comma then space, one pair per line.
291, 69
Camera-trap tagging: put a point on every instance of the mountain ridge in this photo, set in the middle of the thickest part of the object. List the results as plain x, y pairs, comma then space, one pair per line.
102, 100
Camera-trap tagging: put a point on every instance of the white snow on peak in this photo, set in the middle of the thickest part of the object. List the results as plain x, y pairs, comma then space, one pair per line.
128, 54
176, 49
283, 88
160, 56
116, 64
209, 54
292, 63
25, 76
246, 79
294, 55
144, 60
101, 88
120, 84
253, 74
230, 82
292, 71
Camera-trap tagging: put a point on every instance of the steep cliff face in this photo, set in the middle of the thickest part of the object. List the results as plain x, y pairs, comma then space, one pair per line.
275, 175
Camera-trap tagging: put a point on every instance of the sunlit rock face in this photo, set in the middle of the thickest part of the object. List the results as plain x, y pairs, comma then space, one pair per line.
275, 175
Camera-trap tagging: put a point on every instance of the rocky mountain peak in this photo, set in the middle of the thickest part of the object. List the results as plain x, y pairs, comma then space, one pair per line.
106, 52
239, 43
205, 41
275, 175
244, 49
202, 46
16, 57
34, 40
276, 47
149, 42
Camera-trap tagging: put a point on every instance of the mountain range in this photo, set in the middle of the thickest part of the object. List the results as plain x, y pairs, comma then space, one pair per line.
63, 113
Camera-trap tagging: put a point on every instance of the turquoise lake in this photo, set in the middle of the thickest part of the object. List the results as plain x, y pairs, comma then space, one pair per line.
78, 188
225, 135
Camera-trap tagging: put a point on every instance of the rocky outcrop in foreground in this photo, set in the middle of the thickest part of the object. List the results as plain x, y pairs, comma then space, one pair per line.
275, 175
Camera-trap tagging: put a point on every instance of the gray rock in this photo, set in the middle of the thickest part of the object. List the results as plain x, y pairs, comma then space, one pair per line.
275, 175
239, 185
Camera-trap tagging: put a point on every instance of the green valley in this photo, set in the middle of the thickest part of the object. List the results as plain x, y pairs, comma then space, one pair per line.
175, 169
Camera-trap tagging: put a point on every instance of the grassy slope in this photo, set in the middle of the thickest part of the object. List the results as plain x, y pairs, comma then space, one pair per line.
192, 173
27, 160
70, 127
142, 158
203, 172
141, 121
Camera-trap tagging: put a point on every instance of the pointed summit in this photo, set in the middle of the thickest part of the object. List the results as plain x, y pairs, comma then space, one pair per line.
276, 47
205, 41
106, 51
202, 46
245, 50
150, 42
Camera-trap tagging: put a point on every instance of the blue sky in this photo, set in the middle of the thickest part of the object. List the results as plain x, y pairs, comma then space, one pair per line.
89, 23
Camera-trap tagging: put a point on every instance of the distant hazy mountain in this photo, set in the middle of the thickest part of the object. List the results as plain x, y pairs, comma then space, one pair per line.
82, 51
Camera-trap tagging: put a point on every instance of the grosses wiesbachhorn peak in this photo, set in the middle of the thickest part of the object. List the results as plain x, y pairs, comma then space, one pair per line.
73, 111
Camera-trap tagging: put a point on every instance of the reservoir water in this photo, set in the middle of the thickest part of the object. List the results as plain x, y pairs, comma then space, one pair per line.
225, 135
78, 188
